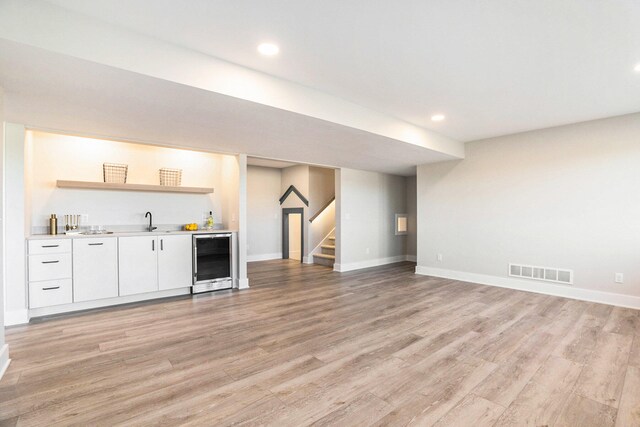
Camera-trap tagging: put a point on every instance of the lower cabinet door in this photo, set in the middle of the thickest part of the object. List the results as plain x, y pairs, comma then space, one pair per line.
138, 264
50, 292
95, 268
175, 262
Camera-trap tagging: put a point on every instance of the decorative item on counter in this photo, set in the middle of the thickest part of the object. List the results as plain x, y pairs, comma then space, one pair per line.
209, 222
72, 224
170, 177
191, 227
115, 173
53, 225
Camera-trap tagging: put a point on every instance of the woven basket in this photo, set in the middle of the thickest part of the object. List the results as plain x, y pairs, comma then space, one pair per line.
170, 177
115, 173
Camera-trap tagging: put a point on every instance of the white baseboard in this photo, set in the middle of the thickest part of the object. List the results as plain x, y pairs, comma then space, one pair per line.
243, 283
4, 359
307, 259
107, 302
16, 317
264, 257
412, 258
368, 263
566, 291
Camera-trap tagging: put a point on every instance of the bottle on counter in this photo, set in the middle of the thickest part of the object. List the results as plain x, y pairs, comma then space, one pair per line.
53, 225
209, 223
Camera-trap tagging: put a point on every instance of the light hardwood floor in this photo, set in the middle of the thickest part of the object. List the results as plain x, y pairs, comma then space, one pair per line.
307, 346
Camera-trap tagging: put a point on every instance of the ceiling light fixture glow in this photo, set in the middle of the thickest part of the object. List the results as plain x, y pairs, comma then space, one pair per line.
637, 68
268, 49
437, 117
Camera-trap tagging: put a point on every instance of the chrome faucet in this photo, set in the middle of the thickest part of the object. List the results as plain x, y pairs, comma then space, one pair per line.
151, 227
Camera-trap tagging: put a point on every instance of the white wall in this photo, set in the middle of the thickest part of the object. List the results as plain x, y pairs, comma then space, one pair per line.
564, 197
53, 157
14, 225
264, 215
367, 204
321, 187
412, 223
4, 348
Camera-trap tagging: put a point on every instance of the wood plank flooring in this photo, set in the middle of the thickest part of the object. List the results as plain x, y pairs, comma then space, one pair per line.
308, 346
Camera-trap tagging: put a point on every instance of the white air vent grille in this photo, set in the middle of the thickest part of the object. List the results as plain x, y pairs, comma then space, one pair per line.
547, 274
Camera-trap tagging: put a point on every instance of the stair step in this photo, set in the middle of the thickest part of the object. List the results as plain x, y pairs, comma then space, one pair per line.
325, 256
328, 246
332, 238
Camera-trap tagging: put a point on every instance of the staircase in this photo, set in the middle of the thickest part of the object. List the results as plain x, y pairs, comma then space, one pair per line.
328, 255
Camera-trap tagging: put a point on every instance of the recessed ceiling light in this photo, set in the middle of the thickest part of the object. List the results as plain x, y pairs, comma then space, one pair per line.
637, 68
437, 117
268, 49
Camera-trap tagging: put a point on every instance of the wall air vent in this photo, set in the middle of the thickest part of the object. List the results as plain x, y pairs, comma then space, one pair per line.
547, 274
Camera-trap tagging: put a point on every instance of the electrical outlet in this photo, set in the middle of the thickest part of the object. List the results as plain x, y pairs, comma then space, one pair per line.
619, 278
367, 251
439, 257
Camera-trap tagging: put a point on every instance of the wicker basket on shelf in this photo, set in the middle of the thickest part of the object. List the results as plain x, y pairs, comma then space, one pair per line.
170, 177
115, 173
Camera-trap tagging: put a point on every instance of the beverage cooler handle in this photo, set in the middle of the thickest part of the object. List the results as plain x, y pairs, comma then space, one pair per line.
195, 260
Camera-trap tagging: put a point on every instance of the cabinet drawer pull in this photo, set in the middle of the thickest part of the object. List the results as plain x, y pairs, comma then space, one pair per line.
162, 244
96, 244
50, 262
153, 245
51, 288
50, 246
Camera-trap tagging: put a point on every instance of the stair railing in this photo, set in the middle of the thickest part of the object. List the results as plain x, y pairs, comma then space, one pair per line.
325, 206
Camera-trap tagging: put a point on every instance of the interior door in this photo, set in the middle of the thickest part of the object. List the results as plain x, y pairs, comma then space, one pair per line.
292, 217
175, 262
138, 259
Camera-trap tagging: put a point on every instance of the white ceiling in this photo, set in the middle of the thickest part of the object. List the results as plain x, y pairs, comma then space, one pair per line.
493, 67
55, 92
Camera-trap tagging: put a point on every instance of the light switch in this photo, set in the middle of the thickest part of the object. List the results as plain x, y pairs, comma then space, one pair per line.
619, 278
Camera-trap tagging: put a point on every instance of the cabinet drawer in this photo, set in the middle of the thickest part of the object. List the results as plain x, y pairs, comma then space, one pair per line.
49, 267
50, 292
49, 246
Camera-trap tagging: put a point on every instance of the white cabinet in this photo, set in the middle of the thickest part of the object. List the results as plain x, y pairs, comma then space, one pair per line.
49, 246
49, 267
174, 262
50, 292
138, 264
49, 272
95, 268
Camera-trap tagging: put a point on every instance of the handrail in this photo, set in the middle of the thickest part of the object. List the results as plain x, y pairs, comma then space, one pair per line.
322, 209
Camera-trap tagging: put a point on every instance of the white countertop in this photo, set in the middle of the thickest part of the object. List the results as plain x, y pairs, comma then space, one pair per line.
126, 234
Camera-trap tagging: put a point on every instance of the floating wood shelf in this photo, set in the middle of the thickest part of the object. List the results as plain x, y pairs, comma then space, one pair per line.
85, 185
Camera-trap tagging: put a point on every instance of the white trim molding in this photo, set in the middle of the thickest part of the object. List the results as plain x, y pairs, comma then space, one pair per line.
107, 302
368, 263
566, 291
4, 359
243, 283
264, 257
16, 317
